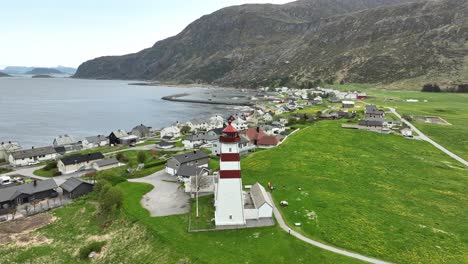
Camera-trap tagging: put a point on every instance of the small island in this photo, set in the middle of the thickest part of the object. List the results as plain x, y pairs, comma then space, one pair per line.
44, 71
42, 76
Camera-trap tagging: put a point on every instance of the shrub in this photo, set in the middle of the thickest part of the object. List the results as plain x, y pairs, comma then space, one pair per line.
95, 246
121, 157
111, 178
57, 173
185, 129
462, 88
141, 157
50, 166
110, 200
431, 88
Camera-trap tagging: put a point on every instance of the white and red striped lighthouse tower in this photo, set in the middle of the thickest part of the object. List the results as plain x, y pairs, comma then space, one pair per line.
229, 198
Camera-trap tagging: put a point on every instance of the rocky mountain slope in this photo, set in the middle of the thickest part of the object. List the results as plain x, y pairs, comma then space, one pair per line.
4, 74
304, 43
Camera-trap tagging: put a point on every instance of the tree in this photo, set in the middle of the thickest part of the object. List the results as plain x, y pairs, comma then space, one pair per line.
111, 200
141, 157
121, 157
185, 129
462, 88
429, 87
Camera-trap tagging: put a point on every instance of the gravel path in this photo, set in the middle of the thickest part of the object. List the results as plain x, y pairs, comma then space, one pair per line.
167, 198
426, 138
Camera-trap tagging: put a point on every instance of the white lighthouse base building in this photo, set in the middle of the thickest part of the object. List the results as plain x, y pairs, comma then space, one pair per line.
228, 203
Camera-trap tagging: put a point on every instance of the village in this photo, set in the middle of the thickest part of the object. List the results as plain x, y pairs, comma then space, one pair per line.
192, 168
191, 153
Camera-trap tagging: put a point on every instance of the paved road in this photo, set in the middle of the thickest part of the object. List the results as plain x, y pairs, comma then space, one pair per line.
28, 172
343, 252
167, 198
426, 138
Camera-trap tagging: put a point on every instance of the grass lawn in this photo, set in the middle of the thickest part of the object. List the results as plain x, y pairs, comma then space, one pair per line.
148, 142
135, 237
46, 173
153, 163
206, 213
453, 107
380, 195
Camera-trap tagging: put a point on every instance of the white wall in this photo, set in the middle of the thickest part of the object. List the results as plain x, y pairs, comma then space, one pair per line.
265, 211
28, 161
229, 203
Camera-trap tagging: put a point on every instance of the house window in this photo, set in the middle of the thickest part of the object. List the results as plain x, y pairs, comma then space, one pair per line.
230, 149
230, 217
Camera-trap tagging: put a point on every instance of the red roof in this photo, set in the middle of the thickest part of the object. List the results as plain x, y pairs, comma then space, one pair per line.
230, 128
260, 137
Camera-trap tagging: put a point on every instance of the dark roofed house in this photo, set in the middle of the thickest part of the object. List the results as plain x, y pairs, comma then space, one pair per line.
141, 131
20, 194
164, 145
377, 123
196, 158
121, 137
32, 156
78, 162
373, 112
187, 171
75, 187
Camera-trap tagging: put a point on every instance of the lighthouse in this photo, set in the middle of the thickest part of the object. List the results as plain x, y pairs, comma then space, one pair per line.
229, 198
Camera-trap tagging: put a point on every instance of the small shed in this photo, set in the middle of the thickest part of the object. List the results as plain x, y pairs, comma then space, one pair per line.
75, 187
106, 164
347, 104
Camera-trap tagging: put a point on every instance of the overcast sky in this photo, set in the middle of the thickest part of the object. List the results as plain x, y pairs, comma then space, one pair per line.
69, 32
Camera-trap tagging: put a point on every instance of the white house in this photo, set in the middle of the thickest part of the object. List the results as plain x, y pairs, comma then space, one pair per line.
170, 132
7, 147
258, 203
197, 124
78, 162
239, 124
267, 117
216, 121
32, 156
347, 104
95, 141
64, 140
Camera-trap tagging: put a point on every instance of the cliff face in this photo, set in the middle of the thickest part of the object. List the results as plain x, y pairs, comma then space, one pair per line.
304, 42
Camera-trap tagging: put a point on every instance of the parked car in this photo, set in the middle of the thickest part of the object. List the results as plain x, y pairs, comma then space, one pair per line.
5, 180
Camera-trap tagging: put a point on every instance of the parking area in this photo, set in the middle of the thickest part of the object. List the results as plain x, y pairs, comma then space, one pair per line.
167, 197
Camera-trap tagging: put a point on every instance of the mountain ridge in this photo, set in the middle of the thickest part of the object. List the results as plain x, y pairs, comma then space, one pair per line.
304, 43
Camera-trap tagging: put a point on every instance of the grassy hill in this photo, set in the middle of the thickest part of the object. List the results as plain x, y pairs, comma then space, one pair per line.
380, 195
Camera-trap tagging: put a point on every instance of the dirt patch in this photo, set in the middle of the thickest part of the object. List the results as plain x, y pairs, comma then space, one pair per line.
18, 231
432, 120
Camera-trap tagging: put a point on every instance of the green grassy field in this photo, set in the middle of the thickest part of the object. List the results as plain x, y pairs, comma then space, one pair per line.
453, 107
134, 237
380, 195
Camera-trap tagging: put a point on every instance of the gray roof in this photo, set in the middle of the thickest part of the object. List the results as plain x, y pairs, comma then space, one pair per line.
203, 136
259, 195
120, 133
10, 146
72, 183
107, 162
371, 122
33, 152
188, 171
244, 139
64, 140
372, 109
164, 144
96, 139
10, 193
80, 158
141, 130
190, 156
